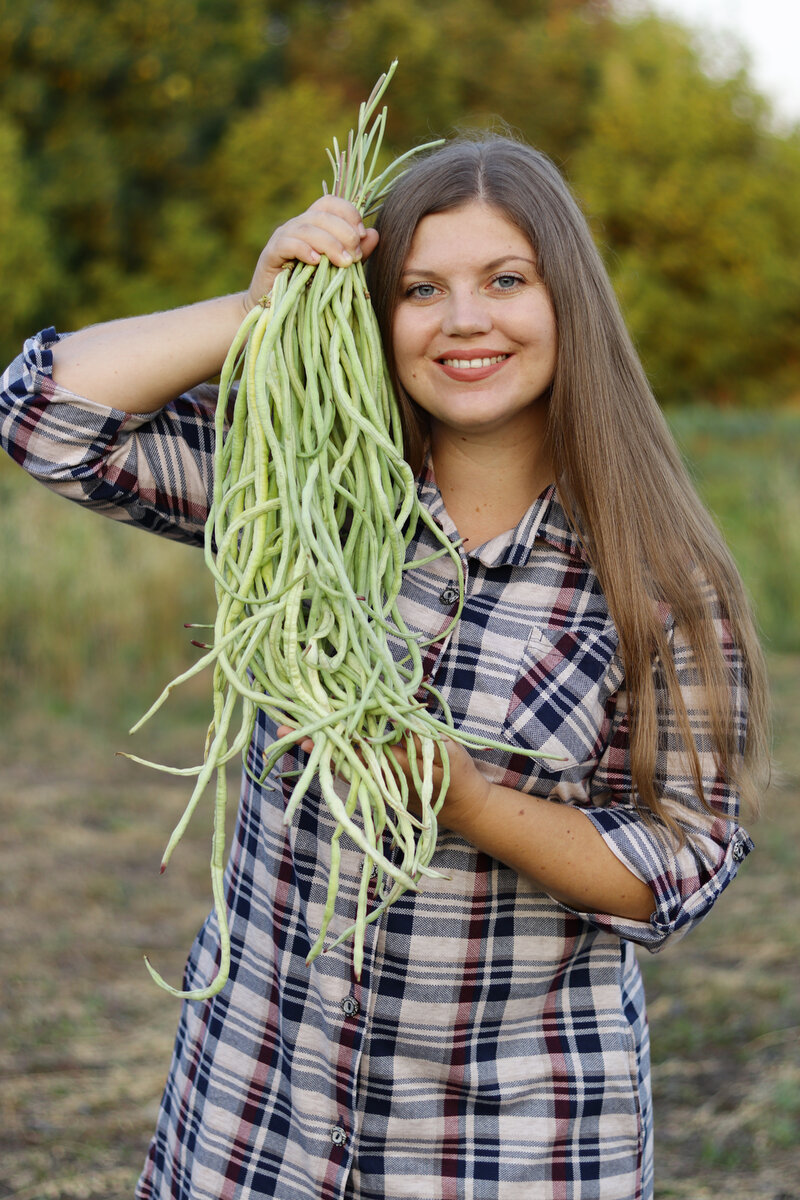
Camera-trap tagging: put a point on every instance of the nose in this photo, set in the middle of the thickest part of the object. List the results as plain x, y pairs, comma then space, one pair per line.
465, 314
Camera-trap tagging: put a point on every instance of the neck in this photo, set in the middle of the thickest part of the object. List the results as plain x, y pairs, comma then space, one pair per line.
487, 485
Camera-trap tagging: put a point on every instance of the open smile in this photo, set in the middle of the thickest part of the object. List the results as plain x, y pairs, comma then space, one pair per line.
474, 367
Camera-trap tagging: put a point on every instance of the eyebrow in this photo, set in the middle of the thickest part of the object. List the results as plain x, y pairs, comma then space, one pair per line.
490, 266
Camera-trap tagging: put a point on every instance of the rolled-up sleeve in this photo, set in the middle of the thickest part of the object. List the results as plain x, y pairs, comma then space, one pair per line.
153, 470
687, 877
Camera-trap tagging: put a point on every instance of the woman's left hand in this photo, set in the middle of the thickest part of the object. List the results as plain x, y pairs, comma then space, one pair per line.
467, 791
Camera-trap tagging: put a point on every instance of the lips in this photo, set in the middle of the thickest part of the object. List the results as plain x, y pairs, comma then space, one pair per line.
475, 366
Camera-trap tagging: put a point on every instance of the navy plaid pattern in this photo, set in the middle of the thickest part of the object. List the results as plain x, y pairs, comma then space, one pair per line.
496, 1044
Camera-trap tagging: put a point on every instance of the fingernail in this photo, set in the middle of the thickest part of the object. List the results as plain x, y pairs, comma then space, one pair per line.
347, 257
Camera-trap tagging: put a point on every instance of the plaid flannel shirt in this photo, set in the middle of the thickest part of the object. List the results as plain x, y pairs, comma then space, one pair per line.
496, 1044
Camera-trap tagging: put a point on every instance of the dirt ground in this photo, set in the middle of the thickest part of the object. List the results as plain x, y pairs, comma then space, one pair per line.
85, 1036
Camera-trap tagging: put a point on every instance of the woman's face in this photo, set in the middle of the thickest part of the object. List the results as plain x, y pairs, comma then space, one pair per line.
474, 332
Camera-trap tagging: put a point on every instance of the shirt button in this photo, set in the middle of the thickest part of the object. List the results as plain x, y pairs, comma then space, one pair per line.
350, 1006
739, 852
449, 595
338, 1135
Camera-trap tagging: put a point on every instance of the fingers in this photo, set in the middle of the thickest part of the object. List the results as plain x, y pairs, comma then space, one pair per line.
305, 744
331, 226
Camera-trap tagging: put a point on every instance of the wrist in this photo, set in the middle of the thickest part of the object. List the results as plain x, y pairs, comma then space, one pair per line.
247, 303
464, 807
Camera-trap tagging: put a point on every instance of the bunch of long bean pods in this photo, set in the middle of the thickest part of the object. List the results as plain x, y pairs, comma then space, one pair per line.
313, 510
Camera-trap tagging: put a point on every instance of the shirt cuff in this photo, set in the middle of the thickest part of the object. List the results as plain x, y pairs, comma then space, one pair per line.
685, 880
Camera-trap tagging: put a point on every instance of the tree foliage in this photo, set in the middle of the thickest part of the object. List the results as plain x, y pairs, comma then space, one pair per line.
148, 148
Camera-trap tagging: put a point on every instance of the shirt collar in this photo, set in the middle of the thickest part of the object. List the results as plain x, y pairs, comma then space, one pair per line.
545, 521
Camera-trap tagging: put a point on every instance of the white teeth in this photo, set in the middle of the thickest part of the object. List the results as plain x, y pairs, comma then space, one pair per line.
463, 364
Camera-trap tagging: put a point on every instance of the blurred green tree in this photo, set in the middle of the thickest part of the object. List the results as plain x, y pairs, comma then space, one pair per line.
690, 195
28, 268
149, 147
119, 107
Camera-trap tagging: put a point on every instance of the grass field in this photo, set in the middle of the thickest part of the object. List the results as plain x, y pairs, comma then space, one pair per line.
91, 621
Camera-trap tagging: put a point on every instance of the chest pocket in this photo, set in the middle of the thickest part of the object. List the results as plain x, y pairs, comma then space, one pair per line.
560, 699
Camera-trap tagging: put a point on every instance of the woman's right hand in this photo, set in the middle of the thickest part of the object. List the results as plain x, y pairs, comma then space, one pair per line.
138, 364
330, 226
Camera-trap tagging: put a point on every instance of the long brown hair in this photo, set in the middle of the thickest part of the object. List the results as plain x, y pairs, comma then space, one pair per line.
619, 474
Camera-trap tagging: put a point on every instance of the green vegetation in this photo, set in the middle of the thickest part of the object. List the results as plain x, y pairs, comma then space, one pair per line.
91, 614
746, 465
141, 168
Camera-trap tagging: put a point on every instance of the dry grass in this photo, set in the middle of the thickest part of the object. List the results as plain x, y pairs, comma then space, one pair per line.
725, 1011
86, 1036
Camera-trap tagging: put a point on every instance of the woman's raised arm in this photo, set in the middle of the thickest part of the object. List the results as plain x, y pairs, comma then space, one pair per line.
137, 364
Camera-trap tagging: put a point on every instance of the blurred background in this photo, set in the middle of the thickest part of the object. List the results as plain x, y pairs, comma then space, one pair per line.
147, 150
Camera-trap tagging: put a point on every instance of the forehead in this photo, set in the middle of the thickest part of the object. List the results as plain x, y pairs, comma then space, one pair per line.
474, 231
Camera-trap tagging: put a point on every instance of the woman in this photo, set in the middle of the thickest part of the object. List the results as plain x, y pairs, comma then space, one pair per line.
496, 1042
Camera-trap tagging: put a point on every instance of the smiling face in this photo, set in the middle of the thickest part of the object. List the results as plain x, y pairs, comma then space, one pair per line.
474, 333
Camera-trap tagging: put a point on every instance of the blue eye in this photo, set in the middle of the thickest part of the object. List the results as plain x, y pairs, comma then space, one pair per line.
421, 291
506, 281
